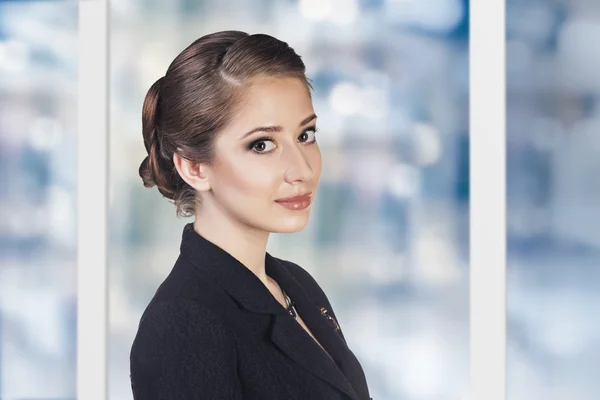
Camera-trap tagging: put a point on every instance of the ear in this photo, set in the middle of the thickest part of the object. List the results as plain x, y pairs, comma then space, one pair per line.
194, 174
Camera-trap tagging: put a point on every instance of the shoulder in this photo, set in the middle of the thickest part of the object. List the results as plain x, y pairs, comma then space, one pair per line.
185, 308
182, 349
180, 328
186, 290
171, 311
169, 320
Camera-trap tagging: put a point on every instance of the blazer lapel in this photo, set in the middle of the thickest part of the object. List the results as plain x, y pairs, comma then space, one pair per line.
298, 345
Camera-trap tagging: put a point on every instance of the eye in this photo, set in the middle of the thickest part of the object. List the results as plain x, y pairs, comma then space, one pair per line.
262, 145
308, 136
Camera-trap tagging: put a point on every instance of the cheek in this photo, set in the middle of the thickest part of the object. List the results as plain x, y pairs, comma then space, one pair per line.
247, 179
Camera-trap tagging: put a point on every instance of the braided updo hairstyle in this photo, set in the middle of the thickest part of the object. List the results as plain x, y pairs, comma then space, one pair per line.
184, 110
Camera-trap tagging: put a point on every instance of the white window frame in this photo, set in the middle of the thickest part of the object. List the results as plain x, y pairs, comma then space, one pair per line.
92, 200
488, 200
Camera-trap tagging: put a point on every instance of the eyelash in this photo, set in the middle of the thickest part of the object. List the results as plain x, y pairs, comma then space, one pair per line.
270, 139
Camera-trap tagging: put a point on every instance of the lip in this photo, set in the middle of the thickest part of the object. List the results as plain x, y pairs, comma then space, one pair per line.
296, 202
295, 198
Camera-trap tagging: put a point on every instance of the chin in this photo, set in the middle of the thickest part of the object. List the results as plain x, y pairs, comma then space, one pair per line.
290, 225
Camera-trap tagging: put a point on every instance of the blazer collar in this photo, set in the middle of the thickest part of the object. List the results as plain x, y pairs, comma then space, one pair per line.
286, 333
237, 280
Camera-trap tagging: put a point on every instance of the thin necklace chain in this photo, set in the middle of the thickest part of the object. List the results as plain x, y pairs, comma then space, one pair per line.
290, 305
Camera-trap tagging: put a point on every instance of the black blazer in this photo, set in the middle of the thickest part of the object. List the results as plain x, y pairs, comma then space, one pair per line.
214, 331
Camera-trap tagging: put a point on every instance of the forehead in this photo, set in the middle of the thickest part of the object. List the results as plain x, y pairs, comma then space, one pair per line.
273, 101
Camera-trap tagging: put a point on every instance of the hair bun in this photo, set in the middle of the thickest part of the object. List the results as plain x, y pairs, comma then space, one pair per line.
146, 173
155, 169
154, 172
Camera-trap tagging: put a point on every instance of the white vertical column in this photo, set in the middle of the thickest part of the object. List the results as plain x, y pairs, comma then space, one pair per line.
488, 200
92, 200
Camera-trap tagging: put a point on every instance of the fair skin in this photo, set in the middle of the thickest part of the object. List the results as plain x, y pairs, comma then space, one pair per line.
238, 191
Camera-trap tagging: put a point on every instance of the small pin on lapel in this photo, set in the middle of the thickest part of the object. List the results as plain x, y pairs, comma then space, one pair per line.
324, 312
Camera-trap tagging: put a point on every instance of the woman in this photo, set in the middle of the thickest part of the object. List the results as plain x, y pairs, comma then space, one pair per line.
230, 134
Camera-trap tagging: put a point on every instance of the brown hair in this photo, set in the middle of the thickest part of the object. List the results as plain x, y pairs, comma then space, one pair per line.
184, 110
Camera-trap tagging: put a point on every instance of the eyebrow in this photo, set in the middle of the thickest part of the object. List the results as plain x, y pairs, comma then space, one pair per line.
278, 128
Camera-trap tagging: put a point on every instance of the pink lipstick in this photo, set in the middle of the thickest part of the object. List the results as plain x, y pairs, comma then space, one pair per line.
298, 202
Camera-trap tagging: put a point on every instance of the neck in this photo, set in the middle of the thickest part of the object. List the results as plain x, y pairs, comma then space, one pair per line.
246, 244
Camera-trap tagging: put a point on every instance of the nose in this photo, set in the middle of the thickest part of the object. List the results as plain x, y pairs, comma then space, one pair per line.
298, 166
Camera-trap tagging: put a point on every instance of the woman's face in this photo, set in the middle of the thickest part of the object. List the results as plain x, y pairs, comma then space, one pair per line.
266, 154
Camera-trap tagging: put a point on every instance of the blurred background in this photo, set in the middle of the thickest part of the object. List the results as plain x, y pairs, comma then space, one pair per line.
391, 218
553, 215
388, 239
38, 165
